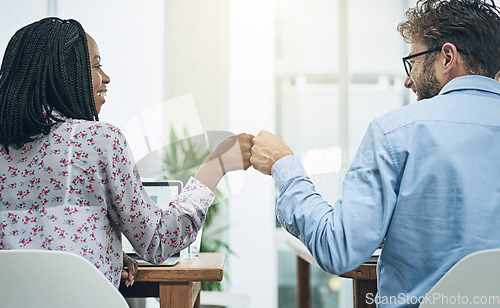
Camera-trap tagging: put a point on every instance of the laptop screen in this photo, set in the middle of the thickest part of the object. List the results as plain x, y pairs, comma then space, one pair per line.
162, 193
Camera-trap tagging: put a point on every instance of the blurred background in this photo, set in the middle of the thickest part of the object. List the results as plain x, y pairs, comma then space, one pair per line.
315, 72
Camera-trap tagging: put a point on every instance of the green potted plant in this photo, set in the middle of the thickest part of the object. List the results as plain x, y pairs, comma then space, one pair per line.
180, 161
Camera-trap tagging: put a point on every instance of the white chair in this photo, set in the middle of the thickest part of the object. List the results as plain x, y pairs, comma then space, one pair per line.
474, 281
39, 278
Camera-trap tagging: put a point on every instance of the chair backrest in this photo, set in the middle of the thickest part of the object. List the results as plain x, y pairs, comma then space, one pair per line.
39, 278
474, 281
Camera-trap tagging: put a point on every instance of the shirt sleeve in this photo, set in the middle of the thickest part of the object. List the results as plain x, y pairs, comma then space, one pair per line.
343, 236
154, 233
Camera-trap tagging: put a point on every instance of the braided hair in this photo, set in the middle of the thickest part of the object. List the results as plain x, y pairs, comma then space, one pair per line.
46, 67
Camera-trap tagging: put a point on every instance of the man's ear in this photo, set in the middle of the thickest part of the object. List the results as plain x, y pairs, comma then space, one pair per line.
449, 59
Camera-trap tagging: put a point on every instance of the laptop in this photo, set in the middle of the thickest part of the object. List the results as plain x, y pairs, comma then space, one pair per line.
162, 193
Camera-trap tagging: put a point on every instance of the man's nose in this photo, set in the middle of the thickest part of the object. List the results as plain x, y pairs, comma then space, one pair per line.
408, 82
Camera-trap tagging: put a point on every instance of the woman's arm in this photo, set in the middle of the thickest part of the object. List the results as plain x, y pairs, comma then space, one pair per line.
154, 233
232, 154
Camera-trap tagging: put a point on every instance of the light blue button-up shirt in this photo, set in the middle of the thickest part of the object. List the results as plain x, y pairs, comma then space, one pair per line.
426, 178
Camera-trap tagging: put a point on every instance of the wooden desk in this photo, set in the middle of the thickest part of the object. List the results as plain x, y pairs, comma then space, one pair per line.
304, 259
364, 281
364, 277
177, 286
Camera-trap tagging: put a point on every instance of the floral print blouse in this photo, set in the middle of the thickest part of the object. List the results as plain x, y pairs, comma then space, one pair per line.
77, 189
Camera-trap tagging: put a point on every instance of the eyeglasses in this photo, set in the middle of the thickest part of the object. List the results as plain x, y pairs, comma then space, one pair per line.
407, 63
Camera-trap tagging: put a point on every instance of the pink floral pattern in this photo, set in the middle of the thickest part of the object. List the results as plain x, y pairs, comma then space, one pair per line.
77, 189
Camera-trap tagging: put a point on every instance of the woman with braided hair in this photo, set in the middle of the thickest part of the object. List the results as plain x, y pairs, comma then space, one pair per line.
45, 68
68, 181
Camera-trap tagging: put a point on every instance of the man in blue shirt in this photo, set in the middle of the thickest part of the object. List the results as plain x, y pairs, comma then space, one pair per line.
425, 177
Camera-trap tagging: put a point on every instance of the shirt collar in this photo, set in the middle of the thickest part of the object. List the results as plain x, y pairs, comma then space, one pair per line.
472, 82
59, 115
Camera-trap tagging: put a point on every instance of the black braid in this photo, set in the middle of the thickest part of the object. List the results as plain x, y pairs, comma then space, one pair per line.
46, 67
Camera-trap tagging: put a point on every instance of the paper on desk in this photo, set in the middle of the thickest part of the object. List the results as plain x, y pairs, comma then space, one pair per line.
300, 249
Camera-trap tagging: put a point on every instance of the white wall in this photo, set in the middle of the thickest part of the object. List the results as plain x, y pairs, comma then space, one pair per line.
252, 108
196, 59
130, 39
17, 14
375, 46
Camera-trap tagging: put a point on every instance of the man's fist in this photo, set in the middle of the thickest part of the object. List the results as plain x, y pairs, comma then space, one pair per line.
267, 149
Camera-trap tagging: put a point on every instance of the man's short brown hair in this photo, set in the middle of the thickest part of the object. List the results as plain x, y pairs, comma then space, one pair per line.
473, 25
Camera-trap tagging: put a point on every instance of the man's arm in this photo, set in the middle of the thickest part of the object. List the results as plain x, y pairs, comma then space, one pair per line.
343, 236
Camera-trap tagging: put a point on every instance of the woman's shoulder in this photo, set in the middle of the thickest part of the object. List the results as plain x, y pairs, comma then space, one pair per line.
92, 131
